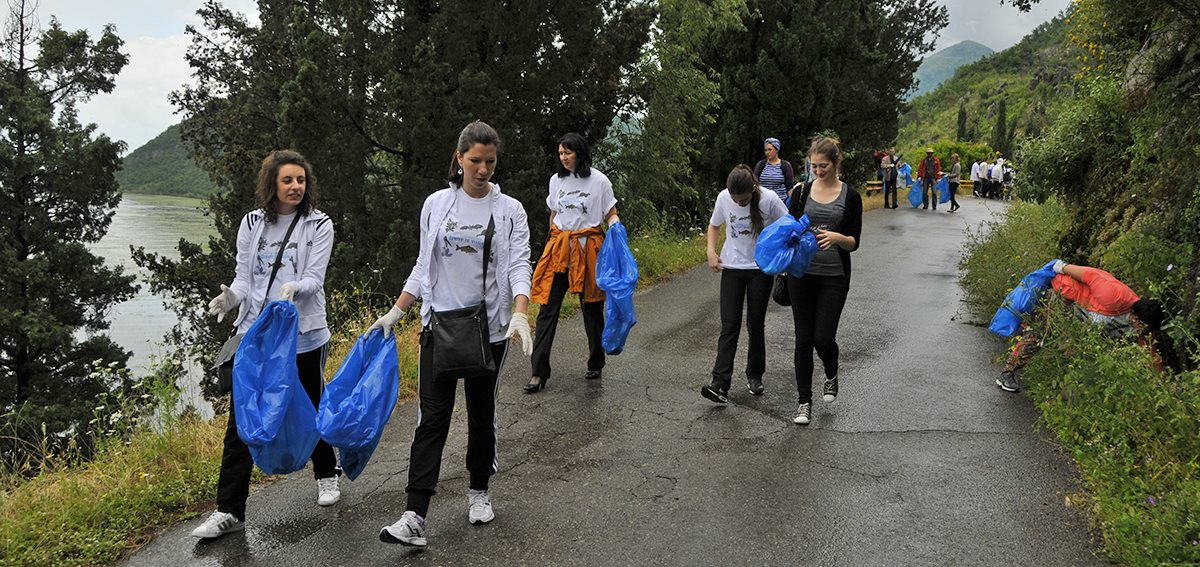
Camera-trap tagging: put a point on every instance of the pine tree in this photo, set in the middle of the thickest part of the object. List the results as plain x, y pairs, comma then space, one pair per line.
999, 135
57, 194
961, 131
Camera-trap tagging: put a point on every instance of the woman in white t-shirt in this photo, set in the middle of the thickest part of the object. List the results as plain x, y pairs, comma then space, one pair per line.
581, 200
449, 275
744, 208
286, 219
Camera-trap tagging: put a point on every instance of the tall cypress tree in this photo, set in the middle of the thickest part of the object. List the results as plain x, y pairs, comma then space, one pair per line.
961, 132
999, 135
57, 194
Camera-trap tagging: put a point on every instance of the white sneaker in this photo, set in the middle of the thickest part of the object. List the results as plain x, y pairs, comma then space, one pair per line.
219, 524
803, 414
327, 491
480, 504
408, 530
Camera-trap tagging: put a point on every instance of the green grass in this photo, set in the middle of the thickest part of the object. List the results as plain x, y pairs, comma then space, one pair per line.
1132, 429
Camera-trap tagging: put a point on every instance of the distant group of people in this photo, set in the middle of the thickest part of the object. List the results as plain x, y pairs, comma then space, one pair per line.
928, 172
992, 180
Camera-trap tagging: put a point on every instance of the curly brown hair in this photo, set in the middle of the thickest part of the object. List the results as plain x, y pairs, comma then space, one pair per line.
264, 194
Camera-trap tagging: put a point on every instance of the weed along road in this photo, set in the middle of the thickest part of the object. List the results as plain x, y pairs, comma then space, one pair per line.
920, 461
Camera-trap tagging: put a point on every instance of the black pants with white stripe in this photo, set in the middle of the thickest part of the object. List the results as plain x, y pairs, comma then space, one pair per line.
233, 484
436, 405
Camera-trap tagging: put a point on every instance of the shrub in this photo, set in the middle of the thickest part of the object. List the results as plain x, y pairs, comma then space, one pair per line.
999, 253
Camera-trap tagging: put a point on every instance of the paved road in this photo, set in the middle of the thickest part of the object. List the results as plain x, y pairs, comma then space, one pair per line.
921, 461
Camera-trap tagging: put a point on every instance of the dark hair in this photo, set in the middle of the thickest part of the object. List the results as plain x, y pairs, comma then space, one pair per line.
829, 148
477, 132
265, 194
741, 181
583, 156
1149, 312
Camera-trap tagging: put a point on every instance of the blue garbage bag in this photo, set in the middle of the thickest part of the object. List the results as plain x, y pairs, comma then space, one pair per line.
943, 187
914, 194
906, 171
275, 417
785, 245
358, 401
616, 274
1021, 300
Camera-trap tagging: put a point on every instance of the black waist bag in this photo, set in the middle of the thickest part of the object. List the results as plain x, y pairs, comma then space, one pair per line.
460, 338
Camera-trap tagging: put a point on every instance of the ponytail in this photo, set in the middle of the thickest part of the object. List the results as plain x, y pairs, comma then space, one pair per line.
741, 181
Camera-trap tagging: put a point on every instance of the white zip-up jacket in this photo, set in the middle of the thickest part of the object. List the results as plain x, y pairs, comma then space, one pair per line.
510, 243
313, 236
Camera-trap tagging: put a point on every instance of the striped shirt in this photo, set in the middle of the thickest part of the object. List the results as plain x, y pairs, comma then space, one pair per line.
772, 180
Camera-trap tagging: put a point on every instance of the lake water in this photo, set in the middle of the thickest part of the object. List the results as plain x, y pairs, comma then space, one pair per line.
157, 223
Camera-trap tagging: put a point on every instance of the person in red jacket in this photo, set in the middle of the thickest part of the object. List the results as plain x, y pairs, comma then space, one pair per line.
928, 171
1099, 297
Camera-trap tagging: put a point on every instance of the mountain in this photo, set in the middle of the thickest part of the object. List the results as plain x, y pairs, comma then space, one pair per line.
941, 65
1029, 77
163, 167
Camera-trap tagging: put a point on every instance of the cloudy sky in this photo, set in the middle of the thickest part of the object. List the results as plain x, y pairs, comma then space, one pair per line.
137, 110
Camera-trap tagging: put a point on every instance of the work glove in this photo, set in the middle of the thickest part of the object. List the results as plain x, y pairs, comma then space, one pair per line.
287, 292
221, 304
386, 321
1058, 266
519, 327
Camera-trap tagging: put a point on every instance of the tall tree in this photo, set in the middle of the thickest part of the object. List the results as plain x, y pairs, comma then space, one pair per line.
375, 92
799, 67
57, 193
999, 132
960, 134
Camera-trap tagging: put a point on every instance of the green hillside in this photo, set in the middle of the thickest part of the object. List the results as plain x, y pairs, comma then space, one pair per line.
1029, 78
163, 167
938, 67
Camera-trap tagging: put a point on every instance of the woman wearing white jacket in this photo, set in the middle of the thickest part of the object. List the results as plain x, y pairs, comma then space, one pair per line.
449, 275
287, 218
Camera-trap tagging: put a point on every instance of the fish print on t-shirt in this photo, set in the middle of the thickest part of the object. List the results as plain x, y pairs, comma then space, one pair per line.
267, 254
739, 226
576, 200
464, 239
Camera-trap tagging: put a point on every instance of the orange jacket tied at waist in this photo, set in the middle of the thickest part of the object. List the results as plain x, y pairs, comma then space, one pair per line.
563, 253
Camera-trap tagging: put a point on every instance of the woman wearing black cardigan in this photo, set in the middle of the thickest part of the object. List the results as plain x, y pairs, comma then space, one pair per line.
818, 295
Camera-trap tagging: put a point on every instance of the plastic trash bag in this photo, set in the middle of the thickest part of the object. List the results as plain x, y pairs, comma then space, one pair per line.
906, 171
943, 187
616, 274
786, 245
1022, 300
359, 400
275, 417
914, 193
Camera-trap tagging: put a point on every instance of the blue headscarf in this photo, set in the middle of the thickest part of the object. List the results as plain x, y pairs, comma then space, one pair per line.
773, 142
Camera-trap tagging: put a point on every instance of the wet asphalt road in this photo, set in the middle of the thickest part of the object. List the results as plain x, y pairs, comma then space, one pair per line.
921, 461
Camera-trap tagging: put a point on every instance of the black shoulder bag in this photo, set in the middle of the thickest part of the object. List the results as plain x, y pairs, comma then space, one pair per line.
779, 291
460, 338
224, 361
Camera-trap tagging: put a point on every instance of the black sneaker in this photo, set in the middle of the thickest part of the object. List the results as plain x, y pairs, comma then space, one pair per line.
803, 414
716, 393
831, 389
756, 386
1008, 382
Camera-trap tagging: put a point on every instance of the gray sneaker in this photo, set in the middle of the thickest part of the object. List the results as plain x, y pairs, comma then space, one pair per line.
479, 507
831, 390
219, 524
408, 530
803, 414
1008, 382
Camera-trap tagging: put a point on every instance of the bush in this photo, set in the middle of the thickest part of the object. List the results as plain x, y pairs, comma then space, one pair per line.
1002, 251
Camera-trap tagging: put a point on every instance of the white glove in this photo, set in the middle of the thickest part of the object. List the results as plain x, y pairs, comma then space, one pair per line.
519, 327
221, 304
1058, 266
287, 291
386, 321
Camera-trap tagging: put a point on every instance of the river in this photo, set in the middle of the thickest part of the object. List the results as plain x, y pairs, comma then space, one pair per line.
156, 222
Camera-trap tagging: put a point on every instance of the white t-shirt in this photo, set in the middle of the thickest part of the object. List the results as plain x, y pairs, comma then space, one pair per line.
459, 260
580, 202
267, 248
975, 171
738, 251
